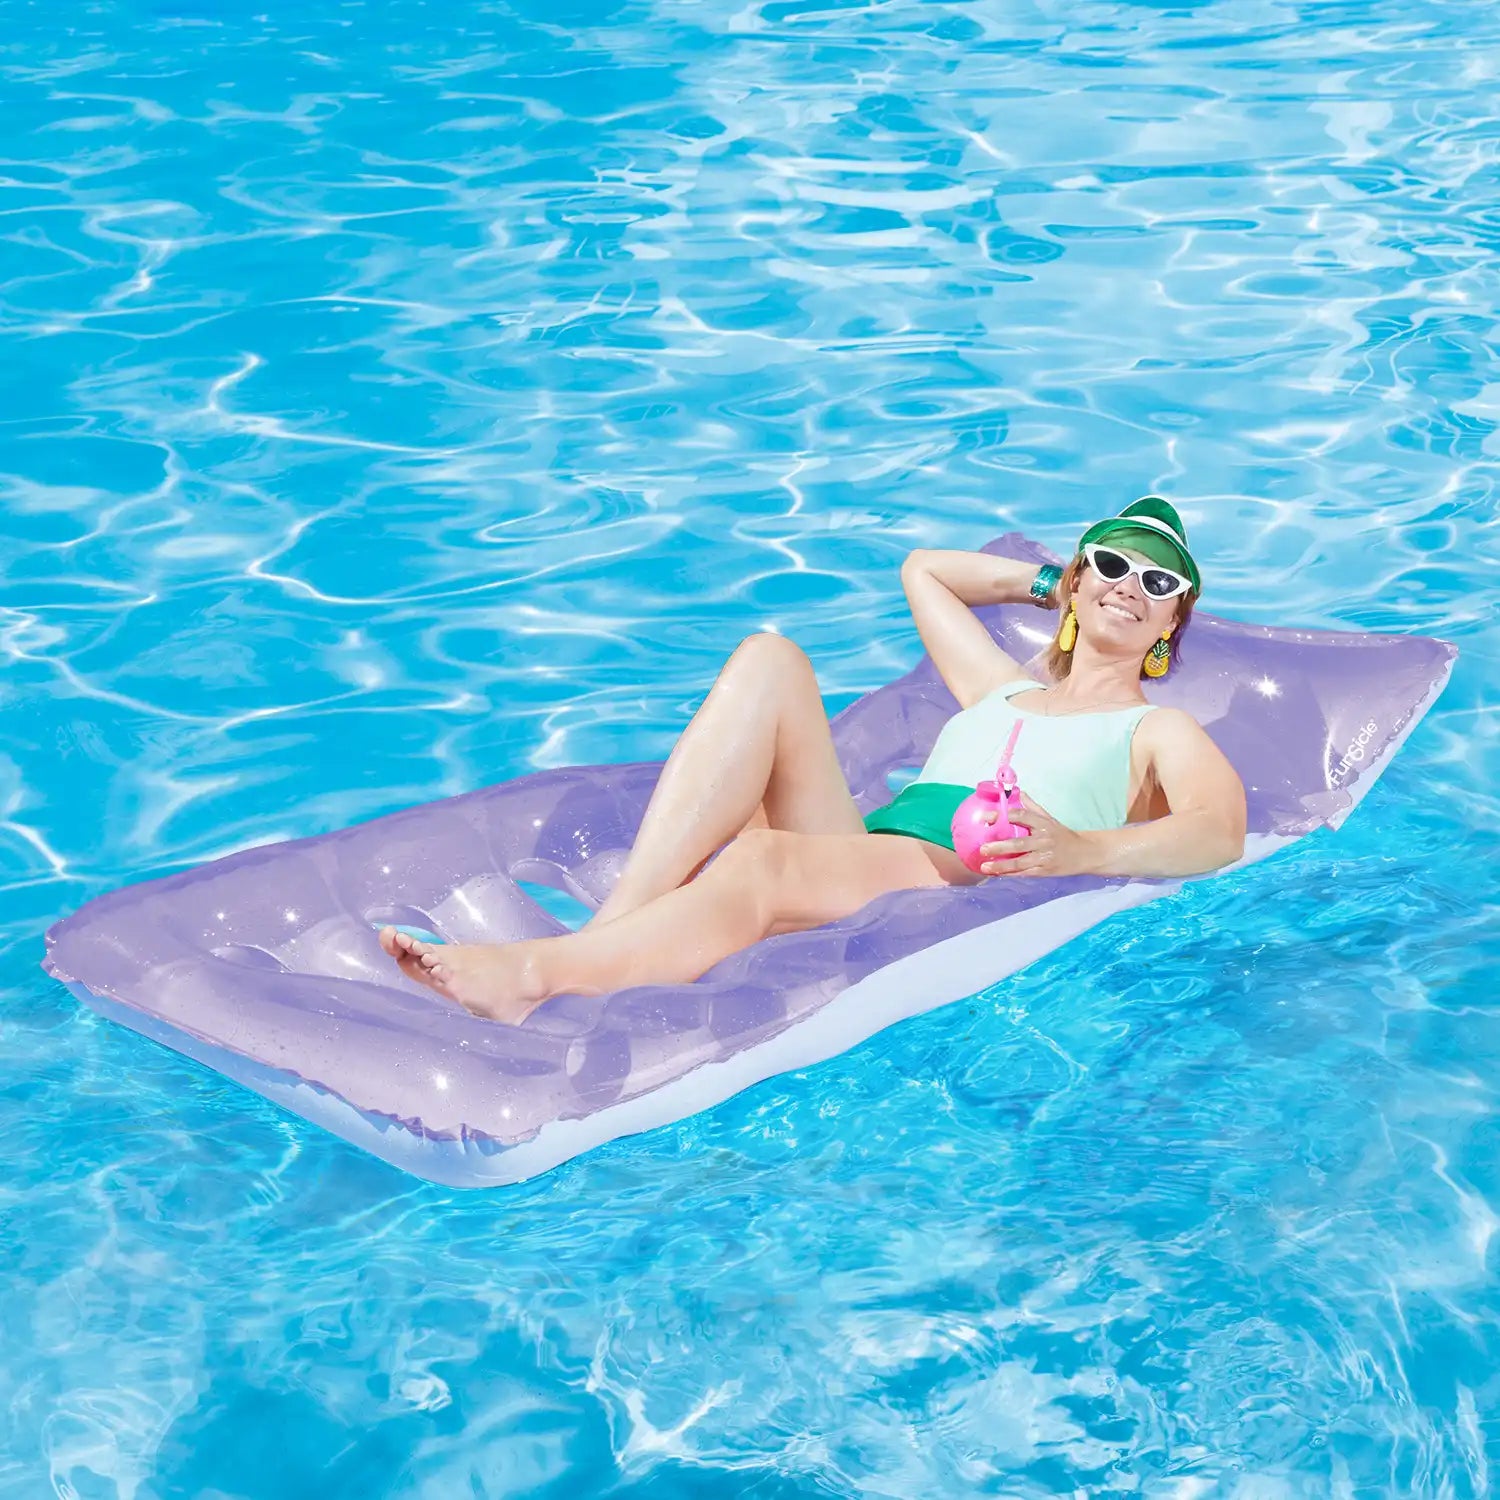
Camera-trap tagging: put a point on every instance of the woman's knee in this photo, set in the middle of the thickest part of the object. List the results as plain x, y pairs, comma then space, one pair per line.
773, 654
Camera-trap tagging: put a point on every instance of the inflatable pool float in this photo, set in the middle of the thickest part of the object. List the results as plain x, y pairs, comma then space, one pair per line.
265, 965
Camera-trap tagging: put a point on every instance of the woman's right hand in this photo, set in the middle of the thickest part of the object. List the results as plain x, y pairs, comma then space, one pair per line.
1050, 848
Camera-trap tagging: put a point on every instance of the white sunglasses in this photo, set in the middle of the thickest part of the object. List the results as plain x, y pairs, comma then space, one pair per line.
1157, 582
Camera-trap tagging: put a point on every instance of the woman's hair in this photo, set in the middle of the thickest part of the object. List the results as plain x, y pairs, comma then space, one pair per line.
1059, 662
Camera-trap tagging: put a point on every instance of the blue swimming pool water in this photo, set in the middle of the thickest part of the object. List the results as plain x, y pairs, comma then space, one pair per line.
395, 399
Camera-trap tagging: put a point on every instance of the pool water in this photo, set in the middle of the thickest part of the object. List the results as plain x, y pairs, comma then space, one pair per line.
397, 399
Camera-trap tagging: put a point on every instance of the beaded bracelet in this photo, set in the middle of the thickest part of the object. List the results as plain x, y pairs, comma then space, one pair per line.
1047, 579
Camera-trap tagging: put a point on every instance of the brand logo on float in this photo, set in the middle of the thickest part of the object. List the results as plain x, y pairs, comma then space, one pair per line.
1354, 754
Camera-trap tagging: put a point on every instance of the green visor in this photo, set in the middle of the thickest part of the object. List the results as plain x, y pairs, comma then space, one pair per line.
1153, 528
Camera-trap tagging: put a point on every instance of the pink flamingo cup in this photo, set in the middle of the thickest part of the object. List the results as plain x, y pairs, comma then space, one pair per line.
972, 828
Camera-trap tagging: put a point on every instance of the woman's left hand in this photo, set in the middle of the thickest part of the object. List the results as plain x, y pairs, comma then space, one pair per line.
1051, 849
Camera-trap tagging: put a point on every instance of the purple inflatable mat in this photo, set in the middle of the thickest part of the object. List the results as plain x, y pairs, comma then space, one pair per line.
265, 966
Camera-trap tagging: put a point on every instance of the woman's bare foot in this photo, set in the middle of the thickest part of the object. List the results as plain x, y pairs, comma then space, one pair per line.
498, 981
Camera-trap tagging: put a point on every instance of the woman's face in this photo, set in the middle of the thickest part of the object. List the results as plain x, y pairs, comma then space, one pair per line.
1122, 615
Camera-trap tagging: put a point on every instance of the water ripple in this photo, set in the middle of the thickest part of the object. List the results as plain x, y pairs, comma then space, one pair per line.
398, 402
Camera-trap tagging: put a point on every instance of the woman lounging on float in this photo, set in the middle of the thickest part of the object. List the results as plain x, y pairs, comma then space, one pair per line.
1110, 784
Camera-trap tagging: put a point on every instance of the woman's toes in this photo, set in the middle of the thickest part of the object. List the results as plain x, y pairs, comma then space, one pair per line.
413, 957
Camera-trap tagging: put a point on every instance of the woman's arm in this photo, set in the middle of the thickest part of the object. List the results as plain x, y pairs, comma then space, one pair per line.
940, 587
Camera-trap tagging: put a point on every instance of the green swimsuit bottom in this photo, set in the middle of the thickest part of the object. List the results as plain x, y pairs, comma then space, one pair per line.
923, 810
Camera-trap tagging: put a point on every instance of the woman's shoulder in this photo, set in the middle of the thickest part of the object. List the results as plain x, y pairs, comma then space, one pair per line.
1164, 730
1165, 719
1166, 714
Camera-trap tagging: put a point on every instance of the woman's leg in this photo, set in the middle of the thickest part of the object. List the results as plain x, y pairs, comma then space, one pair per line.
759, 752
767, 882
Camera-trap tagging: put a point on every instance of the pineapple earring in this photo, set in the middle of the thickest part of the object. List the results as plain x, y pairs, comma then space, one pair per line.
1069, 632
1159, 657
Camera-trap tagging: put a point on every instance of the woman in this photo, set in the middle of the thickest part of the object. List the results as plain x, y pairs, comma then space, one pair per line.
1110, 785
